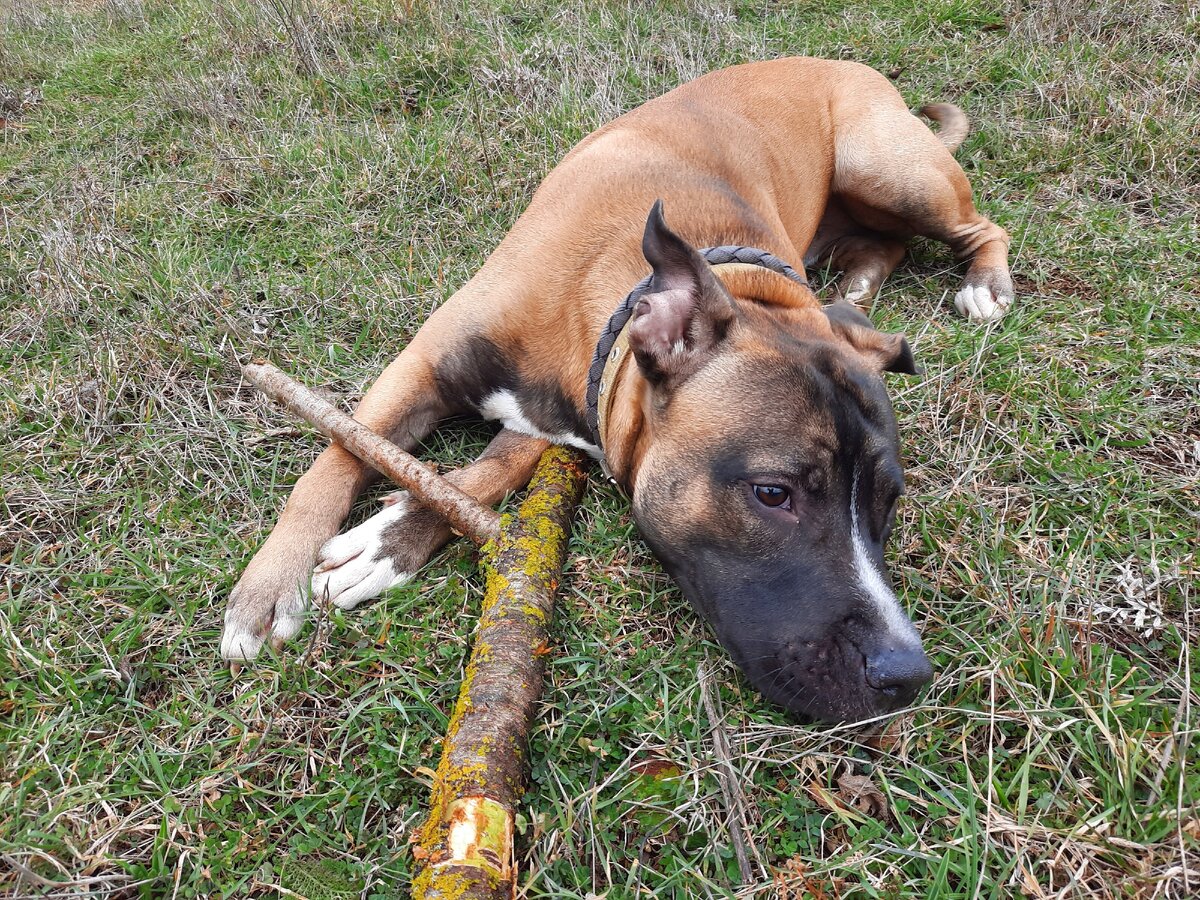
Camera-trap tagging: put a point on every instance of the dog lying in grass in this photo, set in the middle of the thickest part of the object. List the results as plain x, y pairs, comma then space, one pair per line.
748, 423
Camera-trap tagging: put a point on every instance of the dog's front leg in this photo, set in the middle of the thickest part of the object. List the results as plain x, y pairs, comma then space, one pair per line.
270, 600
387, 549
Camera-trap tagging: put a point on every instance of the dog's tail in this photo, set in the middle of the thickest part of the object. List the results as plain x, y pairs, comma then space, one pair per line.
953, 123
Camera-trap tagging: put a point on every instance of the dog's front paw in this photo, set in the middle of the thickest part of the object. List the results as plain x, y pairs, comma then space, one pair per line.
263, 606
984, 297
363, 562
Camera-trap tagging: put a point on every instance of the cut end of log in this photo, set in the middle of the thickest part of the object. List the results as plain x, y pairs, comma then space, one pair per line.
480, 834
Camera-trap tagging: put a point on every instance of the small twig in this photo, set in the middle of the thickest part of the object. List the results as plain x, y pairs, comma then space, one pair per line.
477, 522
288, 431
731, 791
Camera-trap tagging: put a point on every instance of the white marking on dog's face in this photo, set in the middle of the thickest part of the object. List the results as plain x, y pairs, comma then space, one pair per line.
873, 585
978, 305
354, 567
503, 406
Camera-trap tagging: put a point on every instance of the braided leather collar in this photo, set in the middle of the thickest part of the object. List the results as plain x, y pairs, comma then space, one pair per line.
607, 349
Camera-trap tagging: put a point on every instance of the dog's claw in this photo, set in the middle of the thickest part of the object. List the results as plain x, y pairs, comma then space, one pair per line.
331, 562
235, 668
258, 613
978, 304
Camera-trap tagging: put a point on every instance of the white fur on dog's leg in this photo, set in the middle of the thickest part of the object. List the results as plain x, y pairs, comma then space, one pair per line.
354, 567
861, 289
240, 640
978, 305
290, 614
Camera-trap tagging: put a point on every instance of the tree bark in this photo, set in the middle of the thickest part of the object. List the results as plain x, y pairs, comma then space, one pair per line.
465, 848
464, 513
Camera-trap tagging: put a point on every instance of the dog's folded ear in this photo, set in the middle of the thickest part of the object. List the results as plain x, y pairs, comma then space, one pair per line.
887, 352
684, 314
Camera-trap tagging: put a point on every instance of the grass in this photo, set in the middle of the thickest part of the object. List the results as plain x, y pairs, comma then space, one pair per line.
183, 184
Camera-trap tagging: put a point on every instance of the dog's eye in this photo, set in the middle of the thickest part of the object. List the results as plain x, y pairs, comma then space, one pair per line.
773, 496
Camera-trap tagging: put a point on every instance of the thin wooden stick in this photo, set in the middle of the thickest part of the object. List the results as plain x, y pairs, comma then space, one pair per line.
727, 777
477, 522
466, 847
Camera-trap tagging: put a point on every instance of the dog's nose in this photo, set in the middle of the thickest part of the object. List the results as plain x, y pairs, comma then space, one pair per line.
899, 672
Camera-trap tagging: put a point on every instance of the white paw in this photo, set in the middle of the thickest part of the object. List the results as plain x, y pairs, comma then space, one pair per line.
244, 635
354, 566
978, 304
862, 288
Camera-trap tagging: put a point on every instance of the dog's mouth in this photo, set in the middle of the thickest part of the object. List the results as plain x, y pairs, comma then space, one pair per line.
841, 675
823, 680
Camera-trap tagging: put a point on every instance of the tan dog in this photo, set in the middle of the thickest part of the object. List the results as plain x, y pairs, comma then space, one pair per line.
753, 433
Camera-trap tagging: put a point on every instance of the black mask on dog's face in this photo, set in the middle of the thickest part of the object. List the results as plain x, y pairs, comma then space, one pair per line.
770, 485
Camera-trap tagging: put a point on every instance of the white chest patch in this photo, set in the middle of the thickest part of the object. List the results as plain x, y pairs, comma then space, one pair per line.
872, 584
503, 407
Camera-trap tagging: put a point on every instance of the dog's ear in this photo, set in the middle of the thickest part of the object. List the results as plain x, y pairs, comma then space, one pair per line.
887, 352
684, 314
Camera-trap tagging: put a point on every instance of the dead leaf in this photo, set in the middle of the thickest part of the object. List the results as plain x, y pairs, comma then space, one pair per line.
824, 799
887, 739
792, 882
655, 767
860, 793
1192, 829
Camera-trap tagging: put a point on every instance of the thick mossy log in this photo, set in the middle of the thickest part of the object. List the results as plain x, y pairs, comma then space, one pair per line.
465, 849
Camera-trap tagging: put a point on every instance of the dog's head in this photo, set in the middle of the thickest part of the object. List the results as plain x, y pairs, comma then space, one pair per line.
769, 484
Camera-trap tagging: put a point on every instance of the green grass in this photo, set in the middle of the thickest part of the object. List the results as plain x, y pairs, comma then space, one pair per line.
183, 184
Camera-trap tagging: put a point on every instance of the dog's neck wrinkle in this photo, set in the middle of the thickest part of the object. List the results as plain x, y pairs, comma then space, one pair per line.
627, 425
754, 284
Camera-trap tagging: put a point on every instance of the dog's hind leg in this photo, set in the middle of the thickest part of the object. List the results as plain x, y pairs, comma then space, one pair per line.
271, 598
387, 549
909, 183
864, 257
